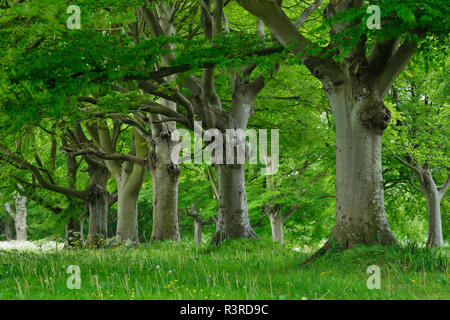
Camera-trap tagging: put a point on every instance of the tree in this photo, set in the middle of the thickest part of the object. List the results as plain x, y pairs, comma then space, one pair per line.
199, 223
19, 214
355, 84
95, 195
233, 220
129, 176
419, 138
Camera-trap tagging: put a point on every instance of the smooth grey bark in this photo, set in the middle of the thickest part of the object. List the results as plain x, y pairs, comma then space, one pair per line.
276, 225
20, 220
277, 220
19, 215
434, 197
164, 172
127, 215
233, 219
129, 183
360, 122
435, 238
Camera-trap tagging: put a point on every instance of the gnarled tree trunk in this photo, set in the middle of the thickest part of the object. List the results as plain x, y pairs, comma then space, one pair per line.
97, 204
233, 219
165, 176
360, 118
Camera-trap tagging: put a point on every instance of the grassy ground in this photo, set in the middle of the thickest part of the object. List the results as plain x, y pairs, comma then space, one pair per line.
235, 270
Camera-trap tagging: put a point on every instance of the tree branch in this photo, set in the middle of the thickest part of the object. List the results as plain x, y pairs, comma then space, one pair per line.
105, 156
414, 185
395, 66
305, 15
414, 168
212, 181
19, 162
443, 189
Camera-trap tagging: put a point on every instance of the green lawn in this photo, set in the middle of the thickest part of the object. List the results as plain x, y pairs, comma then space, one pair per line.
235, 270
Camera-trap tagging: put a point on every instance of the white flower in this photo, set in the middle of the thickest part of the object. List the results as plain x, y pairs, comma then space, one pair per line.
30, 246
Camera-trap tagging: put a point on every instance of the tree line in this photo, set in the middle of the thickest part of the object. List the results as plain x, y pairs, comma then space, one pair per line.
84, 110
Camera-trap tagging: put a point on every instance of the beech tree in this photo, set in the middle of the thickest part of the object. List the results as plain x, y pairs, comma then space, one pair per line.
129, 176
199, 223
356, 77
205, 102
95, 196
18, 212
419, 139
137, 71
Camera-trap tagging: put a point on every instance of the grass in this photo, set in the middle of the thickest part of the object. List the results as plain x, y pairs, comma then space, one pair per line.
248, 269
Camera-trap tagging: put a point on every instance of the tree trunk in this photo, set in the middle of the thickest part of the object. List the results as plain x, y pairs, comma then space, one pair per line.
165, 177
20, 219
276, 224
435, 238
74, 232
9, 228
198, 228
360, 214
127, 215
129, 185
430, 190
233, 220
97, 205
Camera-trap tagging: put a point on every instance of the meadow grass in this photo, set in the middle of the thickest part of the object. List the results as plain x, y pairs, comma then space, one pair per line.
244, 269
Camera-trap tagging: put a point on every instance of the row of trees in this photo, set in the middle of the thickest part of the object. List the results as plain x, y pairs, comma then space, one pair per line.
101, 106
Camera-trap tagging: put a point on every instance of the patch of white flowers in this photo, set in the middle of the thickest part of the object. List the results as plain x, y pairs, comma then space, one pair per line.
30, 246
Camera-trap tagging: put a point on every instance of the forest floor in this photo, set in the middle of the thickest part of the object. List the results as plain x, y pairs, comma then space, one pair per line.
248, 269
